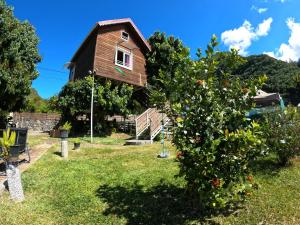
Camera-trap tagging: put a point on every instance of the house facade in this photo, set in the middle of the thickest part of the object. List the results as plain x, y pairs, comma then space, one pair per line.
115, 50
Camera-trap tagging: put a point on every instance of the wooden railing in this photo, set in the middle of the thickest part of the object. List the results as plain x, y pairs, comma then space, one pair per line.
151, 119
142, 122
157, 121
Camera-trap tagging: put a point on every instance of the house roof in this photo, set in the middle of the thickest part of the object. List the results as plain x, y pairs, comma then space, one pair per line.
264, 97
115, 22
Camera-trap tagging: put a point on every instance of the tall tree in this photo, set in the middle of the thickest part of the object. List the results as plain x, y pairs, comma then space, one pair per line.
18, 58
166, 56
75, 98
214, 139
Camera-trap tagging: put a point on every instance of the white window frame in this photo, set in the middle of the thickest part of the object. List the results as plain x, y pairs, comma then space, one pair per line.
124, 52
123, 37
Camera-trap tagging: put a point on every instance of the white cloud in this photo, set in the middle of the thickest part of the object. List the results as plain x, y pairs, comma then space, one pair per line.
290, 51
270, 54
241, 38
264, 27
282, 1
262, 10
259, 10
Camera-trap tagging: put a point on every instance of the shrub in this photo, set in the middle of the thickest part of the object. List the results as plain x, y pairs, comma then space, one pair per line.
6, 142
281, 129
214, 139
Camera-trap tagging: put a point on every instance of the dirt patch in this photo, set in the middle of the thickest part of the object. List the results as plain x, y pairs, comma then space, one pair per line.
120, 136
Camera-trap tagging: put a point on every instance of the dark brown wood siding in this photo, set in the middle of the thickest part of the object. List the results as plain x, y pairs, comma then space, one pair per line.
108, 38
84, 60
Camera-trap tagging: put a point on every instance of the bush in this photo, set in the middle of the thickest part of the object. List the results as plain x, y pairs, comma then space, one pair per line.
214, 139
282, 129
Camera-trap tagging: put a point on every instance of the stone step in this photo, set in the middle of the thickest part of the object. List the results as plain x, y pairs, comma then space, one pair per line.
138, 142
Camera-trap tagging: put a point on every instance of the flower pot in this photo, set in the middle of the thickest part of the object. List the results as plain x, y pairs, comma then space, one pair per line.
64, 133
76, 146
14, 153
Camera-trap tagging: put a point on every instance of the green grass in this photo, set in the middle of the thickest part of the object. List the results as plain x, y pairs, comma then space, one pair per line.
115, 184
114, 139
37, 139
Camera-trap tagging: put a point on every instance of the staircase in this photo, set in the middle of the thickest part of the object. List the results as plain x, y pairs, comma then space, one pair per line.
151, 120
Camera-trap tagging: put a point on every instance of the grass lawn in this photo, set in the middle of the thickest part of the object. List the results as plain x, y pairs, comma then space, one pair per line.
114, 139
37, 139
115, 184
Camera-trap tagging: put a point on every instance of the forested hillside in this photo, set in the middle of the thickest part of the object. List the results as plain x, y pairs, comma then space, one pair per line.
35, 103
283, 77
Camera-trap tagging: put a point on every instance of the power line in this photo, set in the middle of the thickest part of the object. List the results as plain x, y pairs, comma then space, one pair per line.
53, 75
52, 70
53, 78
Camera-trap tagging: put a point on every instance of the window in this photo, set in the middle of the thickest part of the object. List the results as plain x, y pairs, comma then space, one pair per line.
124, 58
72, 73
125, 36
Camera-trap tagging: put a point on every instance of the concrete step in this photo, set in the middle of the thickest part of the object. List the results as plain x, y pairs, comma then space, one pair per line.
138, 142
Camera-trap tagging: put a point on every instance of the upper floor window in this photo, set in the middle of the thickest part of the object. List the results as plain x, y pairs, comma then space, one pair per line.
124, 58
125, 36
72, 72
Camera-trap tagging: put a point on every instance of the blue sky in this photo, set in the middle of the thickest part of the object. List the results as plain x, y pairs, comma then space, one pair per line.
252, 26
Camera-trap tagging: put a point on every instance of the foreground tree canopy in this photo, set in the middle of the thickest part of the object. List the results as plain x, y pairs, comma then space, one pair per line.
214, 139
18, 58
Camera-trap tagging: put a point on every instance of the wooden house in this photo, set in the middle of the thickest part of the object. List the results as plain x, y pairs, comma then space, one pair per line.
114, 49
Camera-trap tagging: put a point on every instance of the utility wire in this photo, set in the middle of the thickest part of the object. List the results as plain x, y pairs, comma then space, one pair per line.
52, 70
52, 78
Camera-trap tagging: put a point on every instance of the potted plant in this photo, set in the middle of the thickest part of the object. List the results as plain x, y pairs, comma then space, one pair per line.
65, 129
76, 143
8, 151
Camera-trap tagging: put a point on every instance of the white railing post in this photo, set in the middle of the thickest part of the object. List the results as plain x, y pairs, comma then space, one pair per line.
136, 130
147, 117
150, 130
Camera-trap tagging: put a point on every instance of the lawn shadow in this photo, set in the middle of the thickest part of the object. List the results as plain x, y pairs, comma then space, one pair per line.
267, 166
162, 204
57, 153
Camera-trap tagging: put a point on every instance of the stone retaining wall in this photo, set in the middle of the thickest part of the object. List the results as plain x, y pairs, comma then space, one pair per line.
36, 121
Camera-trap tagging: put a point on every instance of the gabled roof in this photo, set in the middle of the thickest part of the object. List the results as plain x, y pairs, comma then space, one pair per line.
115, 22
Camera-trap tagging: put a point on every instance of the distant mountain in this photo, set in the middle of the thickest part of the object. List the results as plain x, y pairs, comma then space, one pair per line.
283, 77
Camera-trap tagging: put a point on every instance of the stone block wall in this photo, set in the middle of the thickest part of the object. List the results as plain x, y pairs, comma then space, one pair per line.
36, 121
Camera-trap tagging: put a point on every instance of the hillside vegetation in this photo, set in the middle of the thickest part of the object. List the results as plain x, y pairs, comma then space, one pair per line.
283, 77
35, 103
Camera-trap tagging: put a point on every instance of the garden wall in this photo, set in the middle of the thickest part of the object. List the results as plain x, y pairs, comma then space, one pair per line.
36, 121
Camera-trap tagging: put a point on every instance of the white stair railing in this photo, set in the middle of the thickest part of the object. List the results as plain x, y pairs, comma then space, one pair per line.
160, 119
142, 122
152, 119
